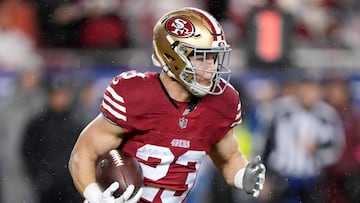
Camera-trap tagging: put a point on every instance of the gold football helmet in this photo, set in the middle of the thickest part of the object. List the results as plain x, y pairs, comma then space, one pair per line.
191, 32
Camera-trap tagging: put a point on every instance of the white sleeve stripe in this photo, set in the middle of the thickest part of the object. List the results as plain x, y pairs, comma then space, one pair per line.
113, 112
238, 116
114, 104
114, 94
236, 123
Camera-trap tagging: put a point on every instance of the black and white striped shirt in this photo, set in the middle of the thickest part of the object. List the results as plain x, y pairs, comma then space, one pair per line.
294, 129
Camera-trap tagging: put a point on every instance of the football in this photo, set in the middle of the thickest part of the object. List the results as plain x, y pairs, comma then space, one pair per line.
119, 166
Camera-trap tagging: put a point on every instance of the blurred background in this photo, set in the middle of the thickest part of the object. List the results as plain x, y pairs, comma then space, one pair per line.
57, 56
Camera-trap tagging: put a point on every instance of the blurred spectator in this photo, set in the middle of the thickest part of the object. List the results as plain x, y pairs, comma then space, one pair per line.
305, 137
59, 21
317, 22
48, 139
103, 26
312, 23
17, 52
288, 84
86, 102
27, 100
264, 92
350, 28
82, 23
343, 178
21, 16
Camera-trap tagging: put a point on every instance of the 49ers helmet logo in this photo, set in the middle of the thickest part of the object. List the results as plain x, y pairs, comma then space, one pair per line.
180, 27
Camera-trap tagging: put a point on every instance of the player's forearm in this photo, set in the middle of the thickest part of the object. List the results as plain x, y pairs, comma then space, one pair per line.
231, 167
89, 146
82, 170
227, 157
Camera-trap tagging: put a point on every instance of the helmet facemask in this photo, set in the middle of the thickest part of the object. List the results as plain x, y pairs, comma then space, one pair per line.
189, 76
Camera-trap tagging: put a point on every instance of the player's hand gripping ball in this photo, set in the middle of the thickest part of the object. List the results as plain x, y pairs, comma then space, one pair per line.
119, 166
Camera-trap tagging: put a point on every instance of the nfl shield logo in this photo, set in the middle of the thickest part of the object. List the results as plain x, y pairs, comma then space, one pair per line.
183, 122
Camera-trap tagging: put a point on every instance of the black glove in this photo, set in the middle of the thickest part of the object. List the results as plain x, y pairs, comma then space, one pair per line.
254, 177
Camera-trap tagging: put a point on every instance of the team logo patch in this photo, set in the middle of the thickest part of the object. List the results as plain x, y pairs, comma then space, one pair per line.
180, 143
180, 27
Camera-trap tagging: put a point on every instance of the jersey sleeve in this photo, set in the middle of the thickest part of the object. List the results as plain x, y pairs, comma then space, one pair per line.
229, 112
120, 99
233, 111
237, 113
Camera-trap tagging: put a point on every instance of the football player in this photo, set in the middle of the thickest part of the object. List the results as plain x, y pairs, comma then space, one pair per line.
172, 120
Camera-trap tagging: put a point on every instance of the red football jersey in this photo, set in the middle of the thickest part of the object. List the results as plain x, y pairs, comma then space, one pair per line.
168, 144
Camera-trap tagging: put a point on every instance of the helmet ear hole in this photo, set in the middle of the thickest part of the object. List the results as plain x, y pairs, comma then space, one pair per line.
168, 57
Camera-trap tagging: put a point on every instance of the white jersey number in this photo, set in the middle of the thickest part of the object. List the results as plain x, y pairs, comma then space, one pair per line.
131, 74
166, 157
